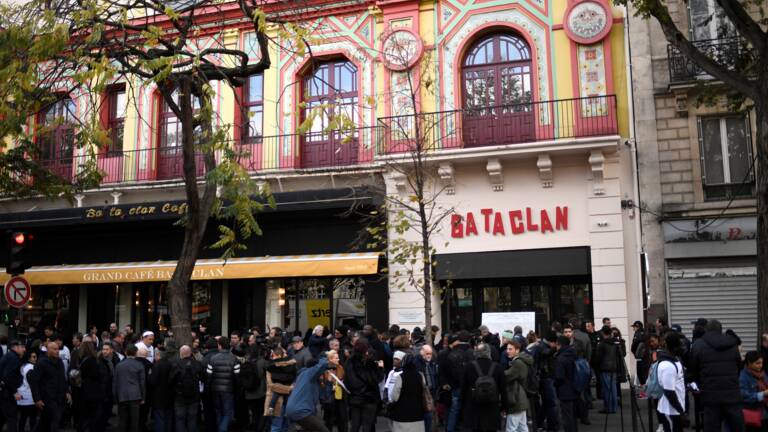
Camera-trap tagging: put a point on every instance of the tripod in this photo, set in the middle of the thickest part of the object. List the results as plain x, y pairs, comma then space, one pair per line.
634, 407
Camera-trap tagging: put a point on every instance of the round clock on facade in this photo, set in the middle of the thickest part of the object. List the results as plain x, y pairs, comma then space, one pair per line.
587, 22
400, 49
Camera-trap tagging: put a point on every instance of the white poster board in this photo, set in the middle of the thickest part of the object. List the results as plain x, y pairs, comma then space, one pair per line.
497, 322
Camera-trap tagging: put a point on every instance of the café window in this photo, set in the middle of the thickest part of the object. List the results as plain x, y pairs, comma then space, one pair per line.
301, 304
726, 157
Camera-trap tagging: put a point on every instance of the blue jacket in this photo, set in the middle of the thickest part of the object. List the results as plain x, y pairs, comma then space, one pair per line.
306, 392
753, 398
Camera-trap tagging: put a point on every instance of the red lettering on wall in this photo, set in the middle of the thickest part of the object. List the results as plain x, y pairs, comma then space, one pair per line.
457, 227
487, 213
546, 225
529, 225
514, 220
471, 227
561, 218
498, 224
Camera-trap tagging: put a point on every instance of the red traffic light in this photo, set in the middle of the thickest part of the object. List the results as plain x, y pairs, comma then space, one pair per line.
19, 238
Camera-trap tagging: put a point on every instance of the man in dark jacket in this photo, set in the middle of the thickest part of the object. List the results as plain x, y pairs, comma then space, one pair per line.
300, 353
129, 389
49, 389
545, 363
427, 366
185, 378
453, 369
10, 375
159, 384
482, 415
107, 361
222, 371
607, 362
565, 373
715, 364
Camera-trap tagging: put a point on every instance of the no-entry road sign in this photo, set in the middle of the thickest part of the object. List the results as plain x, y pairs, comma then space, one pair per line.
17, 292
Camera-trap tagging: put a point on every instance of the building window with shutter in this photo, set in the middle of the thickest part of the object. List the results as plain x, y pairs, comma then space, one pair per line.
726, 157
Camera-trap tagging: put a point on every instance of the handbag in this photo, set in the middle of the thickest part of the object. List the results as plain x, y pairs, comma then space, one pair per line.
427, 401
753, 417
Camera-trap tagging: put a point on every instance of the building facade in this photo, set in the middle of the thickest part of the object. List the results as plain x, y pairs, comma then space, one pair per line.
696, 166
531, 146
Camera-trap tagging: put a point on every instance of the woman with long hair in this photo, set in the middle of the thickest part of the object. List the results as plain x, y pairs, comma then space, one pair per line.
363, 375
92, 393
754, 391
334, 397
27, 408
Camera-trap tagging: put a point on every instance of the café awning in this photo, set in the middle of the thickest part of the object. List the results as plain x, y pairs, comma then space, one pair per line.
347, 264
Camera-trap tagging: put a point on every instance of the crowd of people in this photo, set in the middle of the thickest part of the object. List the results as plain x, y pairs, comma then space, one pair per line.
347, 379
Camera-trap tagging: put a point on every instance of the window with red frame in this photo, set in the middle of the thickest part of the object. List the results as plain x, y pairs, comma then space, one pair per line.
253, 109
57, 137
331, 84
116, 118
170, 126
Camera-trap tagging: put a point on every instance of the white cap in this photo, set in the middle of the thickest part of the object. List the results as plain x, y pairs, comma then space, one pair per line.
147, 333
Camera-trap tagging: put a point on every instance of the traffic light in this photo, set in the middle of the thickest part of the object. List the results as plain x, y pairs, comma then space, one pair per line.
18, 255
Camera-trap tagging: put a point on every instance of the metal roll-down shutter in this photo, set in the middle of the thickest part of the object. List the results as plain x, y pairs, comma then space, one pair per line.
724, 291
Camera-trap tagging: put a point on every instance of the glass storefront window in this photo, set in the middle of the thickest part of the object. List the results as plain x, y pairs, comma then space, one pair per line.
49, 305
316, 301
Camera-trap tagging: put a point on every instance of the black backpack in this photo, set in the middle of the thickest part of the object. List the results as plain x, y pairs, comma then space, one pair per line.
249, 376
189, 385
485, 391
531, 384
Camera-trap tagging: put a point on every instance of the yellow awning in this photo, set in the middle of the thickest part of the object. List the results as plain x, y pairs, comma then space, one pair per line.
206, 269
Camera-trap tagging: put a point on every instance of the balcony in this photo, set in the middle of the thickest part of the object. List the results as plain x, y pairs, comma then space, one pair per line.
321, 150
727, 51
500, 125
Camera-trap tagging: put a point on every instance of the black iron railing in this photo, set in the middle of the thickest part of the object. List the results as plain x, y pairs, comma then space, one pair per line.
727, 52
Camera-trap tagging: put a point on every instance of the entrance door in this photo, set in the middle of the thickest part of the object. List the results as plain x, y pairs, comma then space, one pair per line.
101, 306
497, 92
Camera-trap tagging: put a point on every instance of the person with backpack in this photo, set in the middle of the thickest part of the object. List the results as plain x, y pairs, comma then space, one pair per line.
186, 375
454, 367
158, 384
606, 360
516, 376
565, 382
667, 384
362, 376
407, 407
484, 391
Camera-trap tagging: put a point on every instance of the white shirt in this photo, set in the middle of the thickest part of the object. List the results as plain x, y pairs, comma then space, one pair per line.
389, 383
671, 378
66, 358
24, 390
150, 351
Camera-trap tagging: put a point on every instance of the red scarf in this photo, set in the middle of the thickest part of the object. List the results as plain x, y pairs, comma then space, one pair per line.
762, 382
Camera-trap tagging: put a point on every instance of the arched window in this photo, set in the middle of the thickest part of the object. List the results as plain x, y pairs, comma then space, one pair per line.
57, 140
498, 90
330, 97
497, 72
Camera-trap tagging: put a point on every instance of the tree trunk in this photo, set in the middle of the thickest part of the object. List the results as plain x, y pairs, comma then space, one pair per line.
761, 108
427, 269
199, 210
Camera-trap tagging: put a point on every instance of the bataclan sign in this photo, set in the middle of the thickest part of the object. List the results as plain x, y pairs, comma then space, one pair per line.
510, 222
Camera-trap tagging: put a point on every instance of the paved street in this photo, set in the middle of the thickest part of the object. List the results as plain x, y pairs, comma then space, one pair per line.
613, 423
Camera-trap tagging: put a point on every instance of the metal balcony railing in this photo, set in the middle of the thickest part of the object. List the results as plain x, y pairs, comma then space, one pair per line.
500, 125
726, 51
330, 150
